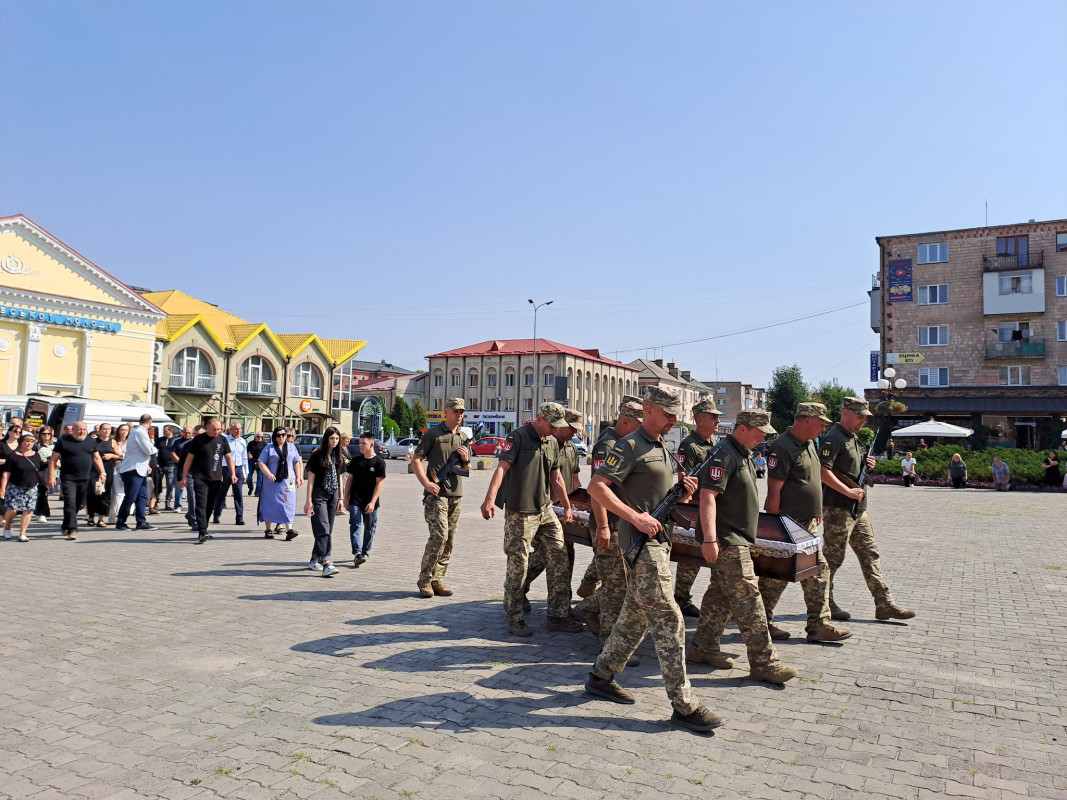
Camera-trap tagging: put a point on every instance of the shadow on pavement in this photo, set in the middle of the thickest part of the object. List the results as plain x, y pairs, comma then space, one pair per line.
349, 596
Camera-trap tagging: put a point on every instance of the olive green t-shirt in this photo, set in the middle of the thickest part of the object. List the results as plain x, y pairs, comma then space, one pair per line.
600, 452
527, 485
842, 452
568, 464
436, 447
797, 464
693, 450
641, 469
733, 476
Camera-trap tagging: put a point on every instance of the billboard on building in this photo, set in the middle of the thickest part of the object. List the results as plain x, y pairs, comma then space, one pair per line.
900, 290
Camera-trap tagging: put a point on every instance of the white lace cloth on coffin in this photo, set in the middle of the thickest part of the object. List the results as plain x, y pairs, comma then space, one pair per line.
765, 547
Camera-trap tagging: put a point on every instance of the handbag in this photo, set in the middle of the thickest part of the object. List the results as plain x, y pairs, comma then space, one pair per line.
100, 485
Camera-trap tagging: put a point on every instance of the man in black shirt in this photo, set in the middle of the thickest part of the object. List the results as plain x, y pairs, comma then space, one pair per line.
79, 456
205, 456
366, 473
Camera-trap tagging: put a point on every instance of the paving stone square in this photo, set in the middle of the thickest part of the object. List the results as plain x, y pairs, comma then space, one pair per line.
142, 665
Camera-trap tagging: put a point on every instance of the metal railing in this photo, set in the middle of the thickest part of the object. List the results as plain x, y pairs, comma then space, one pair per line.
1027, 348
1023, 261
268, 388
192, 383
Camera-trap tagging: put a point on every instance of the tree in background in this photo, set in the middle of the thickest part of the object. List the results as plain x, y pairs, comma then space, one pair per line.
402, 415
787, 389
418, 417
831, 395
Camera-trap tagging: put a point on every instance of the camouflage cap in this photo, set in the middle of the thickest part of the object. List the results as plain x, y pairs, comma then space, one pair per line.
574, 418
756, 419
857, 405
705, 407
812, 410
632, 407
455, 402
664, 398
553, 413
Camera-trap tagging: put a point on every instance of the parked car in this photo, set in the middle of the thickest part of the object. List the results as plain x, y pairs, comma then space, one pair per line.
408, 440
306, 443
487, 446
380, 449
583, 451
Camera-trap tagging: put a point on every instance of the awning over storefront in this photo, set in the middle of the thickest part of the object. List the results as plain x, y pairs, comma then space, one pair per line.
984, 405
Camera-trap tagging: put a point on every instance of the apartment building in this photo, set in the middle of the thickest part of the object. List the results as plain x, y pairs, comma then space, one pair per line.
733, 396
504, 381
975, 320
667, 376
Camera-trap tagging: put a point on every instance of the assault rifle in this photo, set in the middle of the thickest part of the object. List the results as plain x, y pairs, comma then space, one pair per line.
861, 481
662, 513
446, 476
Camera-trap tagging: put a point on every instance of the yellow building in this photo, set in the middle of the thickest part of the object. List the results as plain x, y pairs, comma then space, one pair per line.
216, 364
66, 325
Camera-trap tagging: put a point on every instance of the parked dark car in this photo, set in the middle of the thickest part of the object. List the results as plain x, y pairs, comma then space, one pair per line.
306, 443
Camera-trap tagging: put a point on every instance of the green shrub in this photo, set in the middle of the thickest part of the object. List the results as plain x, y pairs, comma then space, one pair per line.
1025, 465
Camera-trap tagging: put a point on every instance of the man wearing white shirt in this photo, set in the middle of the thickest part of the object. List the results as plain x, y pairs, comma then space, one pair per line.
133, 469
239, 450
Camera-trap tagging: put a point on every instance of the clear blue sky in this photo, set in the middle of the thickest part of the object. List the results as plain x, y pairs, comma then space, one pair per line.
411, 172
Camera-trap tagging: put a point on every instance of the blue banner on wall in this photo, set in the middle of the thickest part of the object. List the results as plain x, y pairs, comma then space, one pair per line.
900, 280
875, 355
54, 318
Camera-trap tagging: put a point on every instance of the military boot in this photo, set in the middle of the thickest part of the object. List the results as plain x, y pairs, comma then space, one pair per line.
440, 589
687, 608
829, 633
838, 613
774, 673
700, 720
716, 659
778, 634
565, 624
587, 588
425, 589
892, 611
609, 689
589, 617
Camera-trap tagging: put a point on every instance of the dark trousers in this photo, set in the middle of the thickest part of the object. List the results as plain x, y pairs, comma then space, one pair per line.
238, 493
167, 473
73, 492
909, 480
324, 507
206, 492
136, 488
190, 499
43, 509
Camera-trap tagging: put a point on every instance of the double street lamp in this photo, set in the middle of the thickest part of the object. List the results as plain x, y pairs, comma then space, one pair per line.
887, 385
533, 393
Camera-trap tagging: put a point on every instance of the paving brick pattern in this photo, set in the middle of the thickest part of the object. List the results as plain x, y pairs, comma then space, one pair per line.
138, 665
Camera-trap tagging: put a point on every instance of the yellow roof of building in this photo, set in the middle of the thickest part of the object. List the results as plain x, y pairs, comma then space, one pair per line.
232, 332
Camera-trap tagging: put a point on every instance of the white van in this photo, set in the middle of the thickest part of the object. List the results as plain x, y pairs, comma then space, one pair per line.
113, 412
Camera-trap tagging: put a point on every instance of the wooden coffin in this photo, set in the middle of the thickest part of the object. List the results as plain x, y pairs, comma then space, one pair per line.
784, 549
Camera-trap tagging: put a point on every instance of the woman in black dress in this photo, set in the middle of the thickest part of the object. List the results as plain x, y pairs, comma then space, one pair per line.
97, 504
1052, 469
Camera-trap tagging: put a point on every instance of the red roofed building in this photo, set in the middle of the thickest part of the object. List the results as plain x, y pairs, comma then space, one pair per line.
497, 381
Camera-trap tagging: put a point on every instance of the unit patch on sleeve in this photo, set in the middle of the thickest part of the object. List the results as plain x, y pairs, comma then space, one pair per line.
612, 460
715, 473
506, 446
772, 462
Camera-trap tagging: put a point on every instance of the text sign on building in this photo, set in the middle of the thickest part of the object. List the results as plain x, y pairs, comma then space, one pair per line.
899, 280
59, 319
874, 366
905, 358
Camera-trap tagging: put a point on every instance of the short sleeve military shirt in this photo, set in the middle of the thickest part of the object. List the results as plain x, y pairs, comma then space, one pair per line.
436, 447
841, 451
733, 477
568, 463
796, 464
693, 450
600, 452
642, 470
526, 488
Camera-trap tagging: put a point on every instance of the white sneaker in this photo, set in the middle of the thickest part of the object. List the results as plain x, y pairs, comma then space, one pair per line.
329, 571
24, 538
314, 566
7, 533
42, 519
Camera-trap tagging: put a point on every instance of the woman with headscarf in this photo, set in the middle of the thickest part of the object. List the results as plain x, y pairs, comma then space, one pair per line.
280, 465
323, 494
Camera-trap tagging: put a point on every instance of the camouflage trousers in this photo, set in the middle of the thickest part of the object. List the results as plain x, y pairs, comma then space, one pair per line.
684, 577
841, 531
537, 564
612, 572
546, 534
442, 518
649, 607
733, 592
816, 591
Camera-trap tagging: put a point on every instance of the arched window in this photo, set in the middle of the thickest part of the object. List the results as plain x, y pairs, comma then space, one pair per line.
527, 376
307, 381
490, 378
549, 378
453, 382
509, 377
191, 369
256, 376
472, 379
438, 378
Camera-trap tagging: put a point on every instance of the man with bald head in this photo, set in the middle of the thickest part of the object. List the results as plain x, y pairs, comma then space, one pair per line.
79, 455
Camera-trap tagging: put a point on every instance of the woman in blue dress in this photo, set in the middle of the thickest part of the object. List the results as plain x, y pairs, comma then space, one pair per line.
282, 471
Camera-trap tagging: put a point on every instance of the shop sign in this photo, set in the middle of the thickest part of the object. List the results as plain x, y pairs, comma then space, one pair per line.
52, 318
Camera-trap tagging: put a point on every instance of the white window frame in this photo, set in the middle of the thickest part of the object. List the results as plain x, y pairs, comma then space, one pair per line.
548, 378
1061, 241
195, 371
1010, 327
438, 379
1061, 331
527, 405
257, 376
437, 404
1025, 285
933, 253
509, 378
490, 379
528, 379
940, 340
509, 403
455, 379
1021, 369
472, 403
940, 293
1061, 286
940, 375
472, 380
1061, 374
307, 381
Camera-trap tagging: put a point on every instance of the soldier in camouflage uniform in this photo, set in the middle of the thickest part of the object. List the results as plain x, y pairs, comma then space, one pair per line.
441, 503
569, 469
636, 475
693, 449
527, 473
794, 487
600, 610
729, 516
842, 458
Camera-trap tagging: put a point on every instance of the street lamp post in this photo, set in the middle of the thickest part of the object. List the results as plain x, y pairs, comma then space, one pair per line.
533, 394
886, 384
